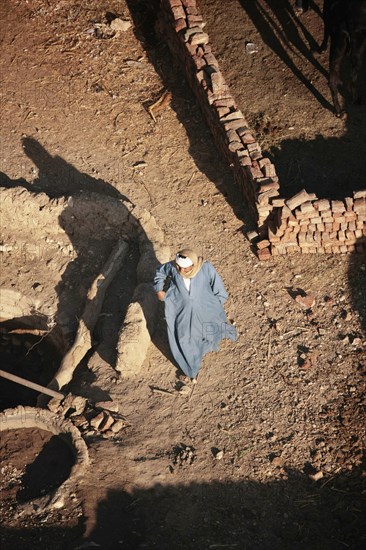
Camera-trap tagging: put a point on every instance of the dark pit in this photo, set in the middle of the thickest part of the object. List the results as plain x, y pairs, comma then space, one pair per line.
29, 353
33, 463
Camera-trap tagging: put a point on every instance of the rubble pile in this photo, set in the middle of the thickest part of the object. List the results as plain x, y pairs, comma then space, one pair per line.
100, 418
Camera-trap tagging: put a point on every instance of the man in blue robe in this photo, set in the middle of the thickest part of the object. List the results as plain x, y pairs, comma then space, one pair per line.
194, 312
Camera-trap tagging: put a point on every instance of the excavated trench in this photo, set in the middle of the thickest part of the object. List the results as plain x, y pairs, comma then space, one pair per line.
88, 289
35, 461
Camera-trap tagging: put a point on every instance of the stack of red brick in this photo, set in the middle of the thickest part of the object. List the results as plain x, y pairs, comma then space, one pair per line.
299, 224
310, 225
256, 176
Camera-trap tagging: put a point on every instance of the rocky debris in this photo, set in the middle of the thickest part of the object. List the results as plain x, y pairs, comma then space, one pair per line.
307, 301
182, 455
120, 25
316, 476
113, 27
103, 417
110, 406
278, 461
218, 454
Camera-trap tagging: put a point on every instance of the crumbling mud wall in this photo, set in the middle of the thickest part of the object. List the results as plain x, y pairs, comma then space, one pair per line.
31, 417
303, 223
53, 249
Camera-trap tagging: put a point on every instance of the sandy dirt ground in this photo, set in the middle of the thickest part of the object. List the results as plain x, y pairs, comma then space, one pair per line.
267, 450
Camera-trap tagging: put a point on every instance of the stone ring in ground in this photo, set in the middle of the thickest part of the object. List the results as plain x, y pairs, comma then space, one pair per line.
42, 419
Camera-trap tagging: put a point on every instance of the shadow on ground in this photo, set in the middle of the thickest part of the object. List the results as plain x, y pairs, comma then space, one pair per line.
282, 514
95, 217
201, 146
330, 167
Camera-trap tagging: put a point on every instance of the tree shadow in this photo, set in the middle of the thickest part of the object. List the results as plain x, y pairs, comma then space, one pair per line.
278, 28
59, 178
292, 513
331, 168
201, 146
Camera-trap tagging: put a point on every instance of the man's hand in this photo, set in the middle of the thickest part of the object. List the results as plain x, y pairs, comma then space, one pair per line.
161, 295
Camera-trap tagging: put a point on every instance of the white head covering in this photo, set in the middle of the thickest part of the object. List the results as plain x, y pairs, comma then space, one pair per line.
183, 261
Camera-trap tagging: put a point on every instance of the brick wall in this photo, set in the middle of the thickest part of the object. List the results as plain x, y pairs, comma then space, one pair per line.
302, 223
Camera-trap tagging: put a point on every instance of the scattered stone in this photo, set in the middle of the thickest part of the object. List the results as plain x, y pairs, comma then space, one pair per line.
107, 422
316, 476
183, 454
59, 503
307, 301
184, 390
97, 421
54, 405
357, 342
120, 25
118, 426
111, 406
78, 403
139, 164
80, 422
278, 462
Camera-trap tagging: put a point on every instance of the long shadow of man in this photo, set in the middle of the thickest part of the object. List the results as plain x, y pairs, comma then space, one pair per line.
95, 216
58, 178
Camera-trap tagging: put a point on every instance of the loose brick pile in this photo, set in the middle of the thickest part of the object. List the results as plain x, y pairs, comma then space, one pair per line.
310, 225
302, 223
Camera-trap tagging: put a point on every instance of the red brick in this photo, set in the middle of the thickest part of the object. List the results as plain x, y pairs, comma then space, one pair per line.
178, 12
180, 24
195, 20
349, 203
264, 254
338, 206
199, 38
360, 206
231, 135
174, 3
229, 102
222, 111
198, 61
263, 244
360, 194
322, 204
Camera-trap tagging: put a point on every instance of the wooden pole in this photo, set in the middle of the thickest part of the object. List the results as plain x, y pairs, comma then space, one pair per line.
31, 385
